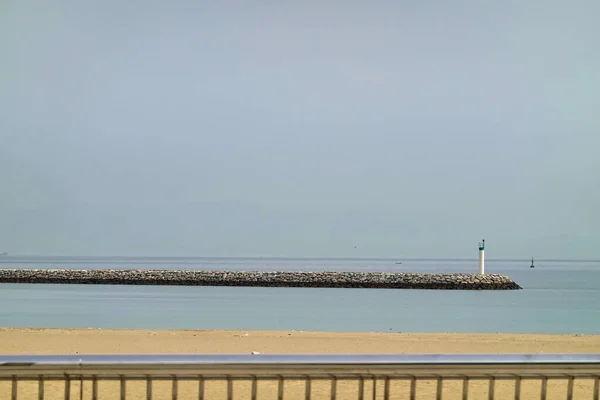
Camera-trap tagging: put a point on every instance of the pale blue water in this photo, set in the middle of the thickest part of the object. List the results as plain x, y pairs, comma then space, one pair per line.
558, 297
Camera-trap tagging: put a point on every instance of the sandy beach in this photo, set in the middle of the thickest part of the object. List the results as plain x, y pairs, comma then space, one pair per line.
106, 341
121, 341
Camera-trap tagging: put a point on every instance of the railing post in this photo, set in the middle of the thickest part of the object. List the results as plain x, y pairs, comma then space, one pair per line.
67, 387
174, 388
123, 388
465, 388
13, 388
386, 388
491, 388
544, 388
229, 389
254, 388
333, 388
41, 387
570, 388
518, 388
148, 387
201, 388
307, 388
280, 388
361, 388
94, 387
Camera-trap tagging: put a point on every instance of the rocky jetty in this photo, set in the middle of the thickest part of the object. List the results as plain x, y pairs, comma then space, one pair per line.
375, 280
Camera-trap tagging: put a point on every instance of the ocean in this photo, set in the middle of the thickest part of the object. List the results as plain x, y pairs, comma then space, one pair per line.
558, 297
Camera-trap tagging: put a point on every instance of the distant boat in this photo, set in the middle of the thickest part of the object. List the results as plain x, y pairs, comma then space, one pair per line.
532, 266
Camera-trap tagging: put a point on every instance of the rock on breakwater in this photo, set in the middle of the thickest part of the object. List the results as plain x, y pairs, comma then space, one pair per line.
375, 280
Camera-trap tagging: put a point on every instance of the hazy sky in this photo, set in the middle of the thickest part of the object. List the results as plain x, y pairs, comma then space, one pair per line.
256, 128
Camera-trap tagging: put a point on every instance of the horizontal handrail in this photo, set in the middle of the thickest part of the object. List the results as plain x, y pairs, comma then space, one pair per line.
316, 359
265, 365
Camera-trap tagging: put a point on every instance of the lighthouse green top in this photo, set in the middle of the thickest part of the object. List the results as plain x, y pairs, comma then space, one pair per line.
482, 245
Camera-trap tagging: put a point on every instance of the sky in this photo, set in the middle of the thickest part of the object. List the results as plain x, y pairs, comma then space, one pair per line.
300, 128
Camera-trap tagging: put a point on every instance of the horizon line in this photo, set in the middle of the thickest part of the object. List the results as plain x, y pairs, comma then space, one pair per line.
396, 259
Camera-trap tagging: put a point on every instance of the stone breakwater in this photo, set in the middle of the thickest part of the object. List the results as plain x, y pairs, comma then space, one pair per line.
375, 280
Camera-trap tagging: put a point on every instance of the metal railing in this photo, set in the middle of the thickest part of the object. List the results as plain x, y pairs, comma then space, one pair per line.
207, 377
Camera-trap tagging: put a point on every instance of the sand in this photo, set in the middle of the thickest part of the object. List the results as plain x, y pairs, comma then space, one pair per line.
108, 341
105, 341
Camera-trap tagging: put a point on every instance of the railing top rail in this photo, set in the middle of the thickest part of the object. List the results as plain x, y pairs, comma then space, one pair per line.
298, 359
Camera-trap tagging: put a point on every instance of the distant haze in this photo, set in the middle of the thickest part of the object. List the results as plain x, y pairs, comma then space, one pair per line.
317, 129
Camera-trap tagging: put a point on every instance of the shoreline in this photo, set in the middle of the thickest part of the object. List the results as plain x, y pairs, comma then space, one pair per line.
63, 329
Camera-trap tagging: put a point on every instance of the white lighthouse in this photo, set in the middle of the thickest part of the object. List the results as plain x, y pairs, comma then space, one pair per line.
482, 257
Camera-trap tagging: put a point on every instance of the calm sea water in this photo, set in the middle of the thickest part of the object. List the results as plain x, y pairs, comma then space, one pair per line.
558, 297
